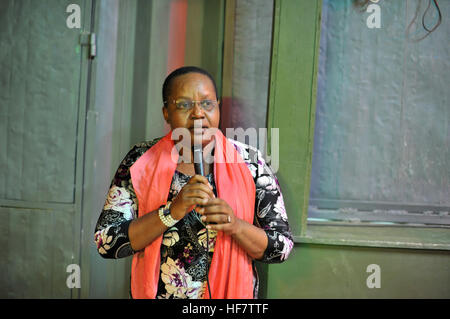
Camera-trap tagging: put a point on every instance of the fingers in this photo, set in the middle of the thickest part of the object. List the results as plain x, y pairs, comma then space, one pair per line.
199, 191
213, 204
216, 210
199, 179
181, 206
229, 224
196, 192
217, 218
199, 182
194, 201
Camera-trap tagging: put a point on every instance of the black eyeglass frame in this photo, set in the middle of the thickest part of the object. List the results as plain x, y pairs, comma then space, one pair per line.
191, 103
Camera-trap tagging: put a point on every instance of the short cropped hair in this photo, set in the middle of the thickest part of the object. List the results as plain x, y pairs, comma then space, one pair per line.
181, 71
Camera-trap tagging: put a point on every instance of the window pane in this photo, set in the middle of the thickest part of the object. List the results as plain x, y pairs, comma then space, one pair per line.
382, 119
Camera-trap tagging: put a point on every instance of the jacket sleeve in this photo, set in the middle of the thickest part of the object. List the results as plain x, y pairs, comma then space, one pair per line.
120, 208
270, 214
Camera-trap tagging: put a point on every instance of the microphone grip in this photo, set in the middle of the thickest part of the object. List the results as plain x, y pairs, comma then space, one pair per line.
198, 161
199, 169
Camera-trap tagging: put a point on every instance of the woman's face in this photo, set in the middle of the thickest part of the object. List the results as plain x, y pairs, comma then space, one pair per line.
192, 87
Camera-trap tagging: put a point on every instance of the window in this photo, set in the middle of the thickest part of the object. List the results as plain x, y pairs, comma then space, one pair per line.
382, 128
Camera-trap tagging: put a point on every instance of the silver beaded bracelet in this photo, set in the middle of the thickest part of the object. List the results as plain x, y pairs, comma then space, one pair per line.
166, 217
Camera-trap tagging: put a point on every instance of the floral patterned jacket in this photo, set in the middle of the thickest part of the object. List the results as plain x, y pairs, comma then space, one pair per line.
184, 261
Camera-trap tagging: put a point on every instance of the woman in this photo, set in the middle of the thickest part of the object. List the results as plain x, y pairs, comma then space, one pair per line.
166, 216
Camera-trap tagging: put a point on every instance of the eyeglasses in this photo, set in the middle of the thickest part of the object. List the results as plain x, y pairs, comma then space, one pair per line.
186, 105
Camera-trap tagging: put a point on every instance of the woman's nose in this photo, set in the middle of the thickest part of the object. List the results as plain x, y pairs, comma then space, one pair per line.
197, 111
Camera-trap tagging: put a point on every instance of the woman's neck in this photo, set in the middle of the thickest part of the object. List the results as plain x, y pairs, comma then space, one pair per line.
185, 161
188, 168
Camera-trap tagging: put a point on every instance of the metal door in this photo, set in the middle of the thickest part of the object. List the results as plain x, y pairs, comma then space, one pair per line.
43, 89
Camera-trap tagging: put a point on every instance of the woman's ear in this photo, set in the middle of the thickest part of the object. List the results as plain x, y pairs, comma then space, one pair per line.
165, 114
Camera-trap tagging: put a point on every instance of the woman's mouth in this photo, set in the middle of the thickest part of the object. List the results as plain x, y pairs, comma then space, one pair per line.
198, 130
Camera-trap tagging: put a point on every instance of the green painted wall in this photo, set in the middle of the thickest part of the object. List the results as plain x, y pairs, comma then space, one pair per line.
329, 271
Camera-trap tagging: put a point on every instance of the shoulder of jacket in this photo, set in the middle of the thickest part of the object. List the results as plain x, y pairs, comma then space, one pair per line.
243, 147
147, 144
138, 150
249, 153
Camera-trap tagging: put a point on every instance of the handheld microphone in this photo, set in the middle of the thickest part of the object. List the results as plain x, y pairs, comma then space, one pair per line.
198, 160
198, 167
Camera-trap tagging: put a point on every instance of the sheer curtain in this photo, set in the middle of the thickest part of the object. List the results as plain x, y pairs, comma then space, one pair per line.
250, 69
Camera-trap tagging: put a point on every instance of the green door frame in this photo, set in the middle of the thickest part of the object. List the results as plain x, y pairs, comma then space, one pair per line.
292, 100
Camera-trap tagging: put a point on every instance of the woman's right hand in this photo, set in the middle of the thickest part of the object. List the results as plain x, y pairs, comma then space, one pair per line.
197, 191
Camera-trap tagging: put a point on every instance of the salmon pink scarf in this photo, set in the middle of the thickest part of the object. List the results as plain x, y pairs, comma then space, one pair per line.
230, 273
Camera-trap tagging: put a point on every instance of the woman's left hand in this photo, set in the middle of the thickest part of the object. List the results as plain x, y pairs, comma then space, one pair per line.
219, 216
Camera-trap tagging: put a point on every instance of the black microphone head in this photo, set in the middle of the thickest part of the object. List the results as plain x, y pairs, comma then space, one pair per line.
198, 160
